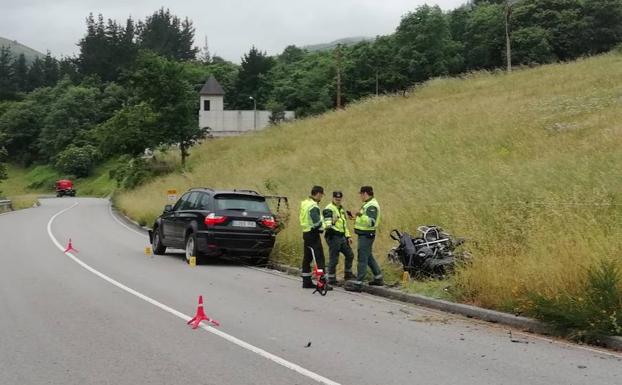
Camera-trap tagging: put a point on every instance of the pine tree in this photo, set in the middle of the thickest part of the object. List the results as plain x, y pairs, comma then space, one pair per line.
36, 78
67, 67
50, 70
20, 70
166, 35
252, 79
7, 78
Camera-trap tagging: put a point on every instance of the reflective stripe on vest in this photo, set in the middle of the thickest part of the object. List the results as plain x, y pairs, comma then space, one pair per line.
363, 222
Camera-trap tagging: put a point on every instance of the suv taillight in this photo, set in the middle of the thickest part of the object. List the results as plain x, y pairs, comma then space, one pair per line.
269, 222
213, 219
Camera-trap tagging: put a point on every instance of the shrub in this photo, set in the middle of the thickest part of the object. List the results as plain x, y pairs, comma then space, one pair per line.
132, 172
78, 161
594, 312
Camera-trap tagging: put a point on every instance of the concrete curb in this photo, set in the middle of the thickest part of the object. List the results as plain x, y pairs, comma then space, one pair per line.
128, 221
493, 316
613, 342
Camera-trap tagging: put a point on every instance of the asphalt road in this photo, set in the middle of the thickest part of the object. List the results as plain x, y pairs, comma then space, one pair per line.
109, 314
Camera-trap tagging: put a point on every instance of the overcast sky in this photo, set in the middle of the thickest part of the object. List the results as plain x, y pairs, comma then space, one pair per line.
231, 26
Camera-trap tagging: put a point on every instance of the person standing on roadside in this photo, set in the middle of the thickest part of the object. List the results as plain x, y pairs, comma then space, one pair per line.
312, 226
338, 238
365, 225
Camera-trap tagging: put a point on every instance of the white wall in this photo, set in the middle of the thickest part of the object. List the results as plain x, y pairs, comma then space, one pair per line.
227, 123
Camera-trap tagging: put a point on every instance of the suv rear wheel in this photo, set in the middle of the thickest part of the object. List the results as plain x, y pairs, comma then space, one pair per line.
191, 248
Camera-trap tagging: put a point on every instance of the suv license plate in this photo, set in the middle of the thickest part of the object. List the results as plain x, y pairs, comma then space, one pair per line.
244, 224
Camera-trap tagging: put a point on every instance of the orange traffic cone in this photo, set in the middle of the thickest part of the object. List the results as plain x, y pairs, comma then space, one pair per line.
201, 316
70, 247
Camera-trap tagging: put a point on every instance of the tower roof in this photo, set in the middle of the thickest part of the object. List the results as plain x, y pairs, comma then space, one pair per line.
212, 87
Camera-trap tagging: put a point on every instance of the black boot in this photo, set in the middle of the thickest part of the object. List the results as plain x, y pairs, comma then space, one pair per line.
353, 286
376, 282
307, 283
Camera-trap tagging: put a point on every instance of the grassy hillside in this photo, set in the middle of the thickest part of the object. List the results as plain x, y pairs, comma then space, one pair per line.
524, 165
18, 48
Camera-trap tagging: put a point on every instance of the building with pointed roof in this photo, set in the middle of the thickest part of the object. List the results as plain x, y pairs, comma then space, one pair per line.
221, 122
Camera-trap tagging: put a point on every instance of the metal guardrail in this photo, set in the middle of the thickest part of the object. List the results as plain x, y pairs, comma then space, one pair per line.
5, 206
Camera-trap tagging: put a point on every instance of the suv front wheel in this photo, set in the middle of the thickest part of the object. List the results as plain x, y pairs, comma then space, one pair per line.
157, 246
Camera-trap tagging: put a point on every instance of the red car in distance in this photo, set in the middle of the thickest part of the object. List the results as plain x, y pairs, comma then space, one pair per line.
64, 187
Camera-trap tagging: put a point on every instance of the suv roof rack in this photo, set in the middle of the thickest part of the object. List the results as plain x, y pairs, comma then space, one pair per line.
245, 191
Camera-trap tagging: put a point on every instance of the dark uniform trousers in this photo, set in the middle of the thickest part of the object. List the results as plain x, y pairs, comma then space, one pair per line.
338, 243
311, 240
366, 258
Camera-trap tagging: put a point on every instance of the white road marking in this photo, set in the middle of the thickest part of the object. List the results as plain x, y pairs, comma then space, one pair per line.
281, 361
123, 224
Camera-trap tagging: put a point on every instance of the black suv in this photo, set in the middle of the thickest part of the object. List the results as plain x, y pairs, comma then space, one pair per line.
207, 222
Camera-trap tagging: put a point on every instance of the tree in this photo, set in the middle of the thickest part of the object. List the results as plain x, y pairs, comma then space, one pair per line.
130, 131
71, 118
67, 67
7, 79
78, 161
562, 19
253, 79
305, 85
50, 70
168, 36
36, 77
20, 126
531, 45
20, 71
3, 158
604, 21
485, 37
390, 65
426, 45
163, 84
107, 49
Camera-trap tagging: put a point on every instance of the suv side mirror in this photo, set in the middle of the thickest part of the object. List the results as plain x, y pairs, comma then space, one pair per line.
168, 208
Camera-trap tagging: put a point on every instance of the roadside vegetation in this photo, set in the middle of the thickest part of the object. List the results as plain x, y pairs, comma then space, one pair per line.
523, 165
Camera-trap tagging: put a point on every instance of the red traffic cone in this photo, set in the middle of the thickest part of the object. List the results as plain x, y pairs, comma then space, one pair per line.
201, 316
70, 247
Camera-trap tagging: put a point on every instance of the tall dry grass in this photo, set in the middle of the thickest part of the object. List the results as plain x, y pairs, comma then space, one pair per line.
526, 166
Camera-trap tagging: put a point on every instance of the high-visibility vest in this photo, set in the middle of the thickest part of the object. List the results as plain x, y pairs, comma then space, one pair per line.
338, 220
306, 222
365, 223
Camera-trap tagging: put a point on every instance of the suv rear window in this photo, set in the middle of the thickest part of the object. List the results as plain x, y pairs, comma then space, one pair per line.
240, 202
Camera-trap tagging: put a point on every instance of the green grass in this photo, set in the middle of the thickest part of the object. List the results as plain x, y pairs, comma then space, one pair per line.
525, 165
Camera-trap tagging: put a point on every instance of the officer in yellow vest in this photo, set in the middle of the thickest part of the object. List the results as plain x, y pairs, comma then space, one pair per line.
338, 238
312, 226
365, 225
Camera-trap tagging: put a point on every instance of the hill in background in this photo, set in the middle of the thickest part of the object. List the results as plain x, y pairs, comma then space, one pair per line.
18, 48
333, 44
